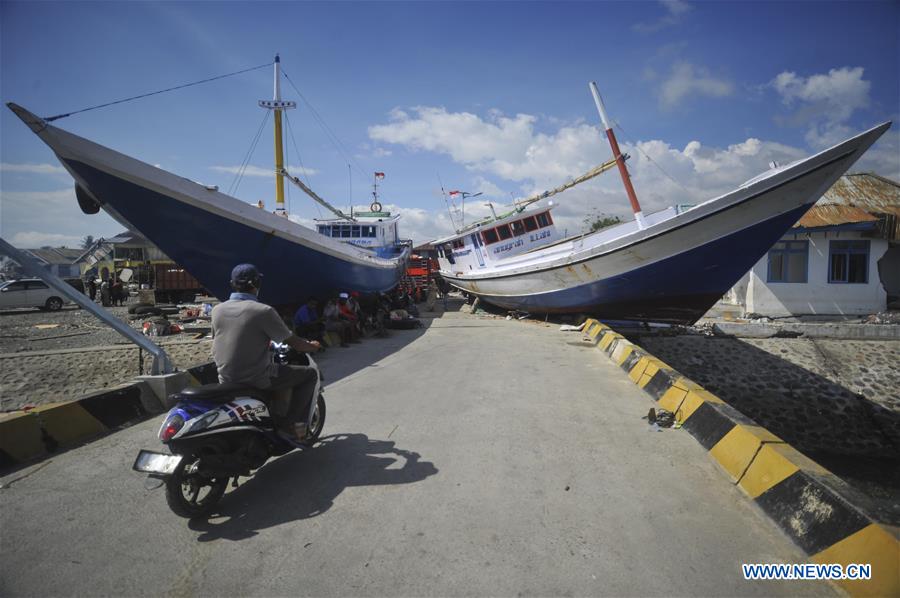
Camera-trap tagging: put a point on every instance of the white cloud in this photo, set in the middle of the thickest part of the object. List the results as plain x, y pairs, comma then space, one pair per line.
823, 102
38, 199
264, 172
489, 189
675, 10
53, 216
33, 168
834, 96
884, 157
511, 150
504, 146
35, 239
686, 79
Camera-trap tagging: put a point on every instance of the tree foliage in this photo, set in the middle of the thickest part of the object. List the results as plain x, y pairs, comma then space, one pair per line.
596, 222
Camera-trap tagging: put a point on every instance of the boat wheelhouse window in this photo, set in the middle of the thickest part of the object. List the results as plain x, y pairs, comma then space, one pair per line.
448, 253
325, 230
544, 219
503, 231
345, 231
517, 228
530, 224
354, 231
490, 236
368, 231
458, 244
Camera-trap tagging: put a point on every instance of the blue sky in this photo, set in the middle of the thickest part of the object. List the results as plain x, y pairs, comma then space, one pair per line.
487, 97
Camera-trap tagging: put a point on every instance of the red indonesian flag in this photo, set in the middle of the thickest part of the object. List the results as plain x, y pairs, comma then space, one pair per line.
379, 175
452, 193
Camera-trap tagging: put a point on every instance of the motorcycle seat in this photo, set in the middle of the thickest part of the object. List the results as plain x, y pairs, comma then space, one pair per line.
218, 392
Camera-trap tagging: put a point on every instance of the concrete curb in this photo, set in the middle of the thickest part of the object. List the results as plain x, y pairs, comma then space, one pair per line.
36, 433
831, 521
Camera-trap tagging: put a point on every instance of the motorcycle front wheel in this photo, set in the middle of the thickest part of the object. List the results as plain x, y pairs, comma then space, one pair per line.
189, 494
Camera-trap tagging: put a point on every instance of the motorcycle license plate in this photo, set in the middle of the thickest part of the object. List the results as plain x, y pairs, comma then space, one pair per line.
159, 463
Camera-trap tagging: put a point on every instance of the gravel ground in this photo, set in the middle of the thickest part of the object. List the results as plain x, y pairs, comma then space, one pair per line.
55, 356
69, 328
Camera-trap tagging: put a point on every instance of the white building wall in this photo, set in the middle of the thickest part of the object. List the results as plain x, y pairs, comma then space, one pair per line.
817, 295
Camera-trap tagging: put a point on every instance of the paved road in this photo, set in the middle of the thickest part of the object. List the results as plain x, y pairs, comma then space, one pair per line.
475, 457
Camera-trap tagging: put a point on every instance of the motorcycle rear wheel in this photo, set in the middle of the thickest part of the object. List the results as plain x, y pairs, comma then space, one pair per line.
185, 492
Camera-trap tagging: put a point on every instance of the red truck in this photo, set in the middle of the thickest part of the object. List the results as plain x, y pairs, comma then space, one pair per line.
172, 284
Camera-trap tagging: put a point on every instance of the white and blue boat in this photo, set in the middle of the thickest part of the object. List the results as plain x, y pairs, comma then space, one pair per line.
208, 232
670, 266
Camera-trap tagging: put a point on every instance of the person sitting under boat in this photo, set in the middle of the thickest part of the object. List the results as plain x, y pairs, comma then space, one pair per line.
307, 322
349, 315
334, 323
242, 329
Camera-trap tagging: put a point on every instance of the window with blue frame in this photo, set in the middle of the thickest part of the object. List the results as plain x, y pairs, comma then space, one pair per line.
848, 262
788, 261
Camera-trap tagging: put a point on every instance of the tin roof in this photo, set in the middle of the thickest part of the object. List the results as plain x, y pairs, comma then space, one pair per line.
854, 198
129, 237
56, 255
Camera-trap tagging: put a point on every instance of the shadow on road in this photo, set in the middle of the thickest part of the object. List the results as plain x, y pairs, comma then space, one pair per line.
304, 484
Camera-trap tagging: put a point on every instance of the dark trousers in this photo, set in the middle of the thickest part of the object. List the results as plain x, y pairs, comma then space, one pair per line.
314, 331
302, 379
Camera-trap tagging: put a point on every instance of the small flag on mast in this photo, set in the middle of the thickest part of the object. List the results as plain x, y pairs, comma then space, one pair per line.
379, 175
454, 193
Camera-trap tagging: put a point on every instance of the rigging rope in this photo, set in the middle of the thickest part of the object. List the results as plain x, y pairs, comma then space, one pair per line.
299, 157
239, 175
153, 93
341, 148
652, 161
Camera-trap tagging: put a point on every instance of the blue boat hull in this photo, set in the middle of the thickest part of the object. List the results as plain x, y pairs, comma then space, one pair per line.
209, 246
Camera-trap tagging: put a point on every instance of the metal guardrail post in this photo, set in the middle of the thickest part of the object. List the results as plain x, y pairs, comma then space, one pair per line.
161, 363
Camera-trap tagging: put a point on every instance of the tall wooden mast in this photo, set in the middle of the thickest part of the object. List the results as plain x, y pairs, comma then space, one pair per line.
277, 104
619, 158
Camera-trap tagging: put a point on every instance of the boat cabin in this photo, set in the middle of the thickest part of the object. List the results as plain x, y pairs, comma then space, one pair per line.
370, 230
483, 244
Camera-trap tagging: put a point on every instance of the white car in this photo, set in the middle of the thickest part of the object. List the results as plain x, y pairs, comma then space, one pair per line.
29, 292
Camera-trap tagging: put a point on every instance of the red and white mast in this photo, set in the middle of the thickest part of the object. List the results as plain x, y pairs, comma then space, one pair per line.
619, 158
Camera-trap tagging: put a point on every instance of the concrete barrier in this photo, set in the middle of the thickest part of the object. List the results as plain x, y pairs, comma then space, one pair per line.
831, 521
46, 429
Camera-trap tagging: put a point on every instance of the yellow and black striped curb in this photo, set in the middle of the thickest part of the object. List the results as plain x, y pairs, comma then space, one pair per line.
46, 429
831, 521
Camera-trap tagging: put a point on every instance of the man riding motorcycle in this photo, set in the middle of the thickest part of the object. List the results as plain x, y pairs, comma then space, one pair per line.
242, 329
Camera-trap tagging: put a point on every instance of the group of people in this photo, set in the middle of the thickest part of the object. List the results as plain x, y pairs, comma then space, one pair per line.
342, 315
112, 292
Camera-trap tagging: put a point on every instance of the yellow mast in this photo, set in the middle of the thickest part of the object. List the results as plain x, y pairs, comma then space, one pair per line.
278, 106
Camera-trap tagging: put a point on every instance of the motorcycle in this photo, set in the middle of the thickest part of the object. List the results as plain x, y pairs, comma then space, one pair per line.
218, 432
